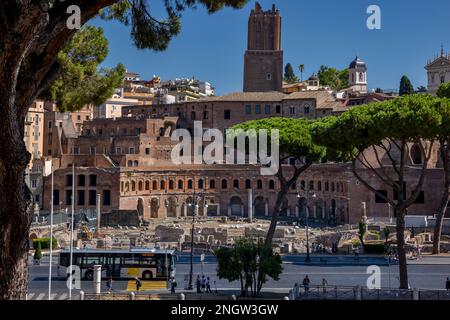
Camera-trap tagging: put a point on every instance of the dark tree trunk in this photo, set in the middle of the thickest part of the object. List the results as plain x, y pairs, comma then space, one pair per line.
401, 253
31, 35
276, 212
15, 219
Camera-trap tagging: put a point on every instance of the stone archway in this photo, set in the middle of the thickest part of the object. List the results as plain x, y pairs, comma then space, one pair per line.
171, 205
302, 209
284, 208
140, 208
236, 206
260, 206
319, 209
154, 207
190, 207
333, 211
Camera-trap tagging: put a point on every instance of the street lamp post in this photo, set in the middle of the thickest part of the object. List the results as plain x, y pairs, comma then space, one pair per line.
313, 195
194, 203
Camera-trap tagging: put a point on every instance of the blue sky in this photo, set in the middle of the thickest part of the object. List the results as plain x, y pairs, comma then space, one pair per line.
328, 32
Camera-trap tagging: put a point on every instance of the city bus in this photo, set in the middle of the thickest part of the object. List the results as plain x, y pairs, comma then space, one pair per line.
144, 263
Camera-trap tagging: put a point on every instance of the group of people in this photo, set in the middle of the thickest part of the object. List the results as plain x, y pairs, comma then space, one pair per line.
306, 283
203, 284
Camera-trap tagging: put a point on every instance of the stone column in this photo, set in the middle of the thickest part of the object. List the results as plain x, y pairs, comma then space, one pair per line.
297, 211
242, 210
185, 210
229, 210
97, 278
266, 208
218, 209
250, 205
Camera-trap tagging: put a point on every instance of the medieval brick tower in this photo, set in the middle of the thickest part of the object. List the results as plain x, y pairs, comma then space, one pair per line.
263, 60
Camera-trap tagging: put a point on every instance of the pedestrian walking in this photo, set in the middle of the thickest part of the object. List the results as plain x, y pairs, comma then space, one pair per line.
324, 285
447, 284
198, 284
172, 284
138, 284
109, 284
208, 285
203, 283
357, 253
306, 282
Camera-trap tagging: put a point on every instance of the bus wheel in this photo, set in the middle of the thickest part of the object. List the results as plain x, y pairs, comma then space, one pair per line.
147, 275
89, 275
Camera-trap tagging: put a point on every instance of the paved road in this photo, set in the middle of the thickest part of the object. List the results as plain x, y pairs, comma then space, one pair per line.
424, 274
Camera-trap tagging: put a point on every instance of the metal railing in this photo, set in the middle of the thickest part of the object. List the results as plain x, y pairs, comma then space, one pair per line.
320, 292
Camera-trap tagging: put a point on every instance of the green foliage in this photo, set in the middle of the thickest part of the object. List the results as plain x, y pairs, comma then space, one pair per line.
406, 87
410, 118
444, 90
295, 136
289, 75
149, 32
250, 262
81, 82
374, 248
336, 79
38, 252
356, 242
44, 243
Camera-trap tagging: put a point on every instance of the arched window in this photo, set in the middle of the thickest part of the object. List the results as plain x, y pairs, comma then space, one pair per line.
121, 186
200, 184
133, 185
319, 185
147, 185
271, 185
416, 154
140, 185
302, 184
162, 184
224, 184
259, 184
236, 183
248, 184
155, 185
180, 184
327, 187
130, 163
127, 186
212, 184
136, 163
171, 184
205, 115
192, 115
332, 187
189, 184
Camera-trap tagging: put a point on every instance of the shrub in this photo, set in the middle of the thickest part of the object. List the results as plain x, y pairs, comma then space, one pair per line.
374, 248
355, 242
45, 243
38, 251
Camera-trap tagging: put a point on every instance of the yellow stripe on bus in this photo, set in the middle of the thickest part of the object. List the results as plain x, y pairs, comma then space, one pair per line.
147, 285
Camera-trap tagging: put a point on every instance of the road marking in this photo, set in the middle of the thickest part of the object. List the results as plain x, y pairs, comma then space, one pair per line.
40, 296
30, 296
53, 296
63, 296
147, 285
